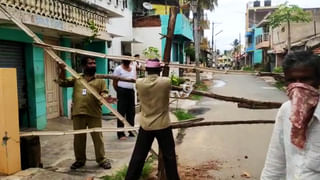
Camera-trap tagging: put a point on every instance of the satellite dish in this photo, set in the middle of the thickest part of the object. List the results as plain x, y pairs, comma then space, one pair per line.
147, 5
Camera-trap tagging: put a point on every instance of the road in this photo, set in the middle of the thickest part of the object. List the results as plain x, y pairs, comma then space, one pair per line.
239, 149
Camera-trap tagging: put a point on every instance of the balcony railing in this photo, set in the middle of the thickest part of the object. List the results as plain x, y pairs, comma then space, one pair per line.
262, 41
61, 10
261, 38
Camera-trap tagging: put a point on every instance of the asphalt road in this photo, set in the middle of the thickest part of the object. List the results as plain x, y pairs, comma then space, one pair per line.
239, 149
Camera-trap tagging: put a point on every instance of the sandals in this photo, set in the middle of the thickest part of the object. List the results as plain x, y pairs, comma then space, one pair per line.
123, 138
77, 165
105, 165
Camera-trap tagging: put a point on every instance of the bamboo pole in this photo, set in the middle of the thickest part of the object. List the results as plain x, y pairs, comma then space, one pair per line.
243, 102
73, 132
118, 58
83, 131
195, 122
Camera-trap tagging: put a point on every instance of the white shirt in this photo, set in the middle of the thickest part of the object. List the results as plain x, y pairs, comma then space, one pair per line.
119, 71
284, 160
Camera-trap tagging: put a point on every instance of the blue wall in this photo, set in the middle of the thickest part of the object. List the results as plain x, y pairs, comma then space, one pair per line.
182, 28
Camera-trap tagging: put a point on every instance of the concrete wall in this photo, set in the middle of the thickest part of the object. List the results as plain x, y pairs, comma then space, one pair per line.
150, 37
299, 31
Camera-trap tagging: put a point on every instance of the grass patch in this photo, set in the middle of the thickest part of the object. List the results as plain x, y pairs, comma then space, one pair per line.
248, 68
121, 174
183, 115
280, 85
195, 97
278, 70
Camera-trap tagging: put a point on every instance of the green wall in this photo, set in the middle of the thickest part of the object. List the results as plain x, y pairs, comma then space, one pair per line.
66, 92
35, 76
36, 86
102, 63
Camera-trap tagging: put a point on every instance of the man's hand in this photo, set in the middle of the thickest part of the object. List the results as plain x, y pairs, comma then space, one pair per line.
61, 70
111, 100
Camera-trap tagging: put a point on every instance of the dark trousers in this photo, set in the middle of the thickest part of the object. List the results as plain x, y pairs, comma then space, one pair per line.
126, 107
142, 147
79, 143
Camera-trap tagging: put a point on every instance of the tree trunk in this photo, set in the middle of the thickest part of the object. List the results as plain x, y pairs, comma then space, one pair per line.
169, 38
196, 17
289, 37
166, 60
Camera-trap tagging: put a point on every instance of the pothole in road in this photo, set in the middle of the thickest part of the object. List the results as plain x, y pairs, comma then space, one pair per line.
218, 83
198, 111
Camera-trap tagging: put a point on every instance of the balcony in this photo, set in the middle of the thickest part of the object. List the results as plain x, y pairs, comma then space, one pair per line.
65, 16
262, 41
182, 28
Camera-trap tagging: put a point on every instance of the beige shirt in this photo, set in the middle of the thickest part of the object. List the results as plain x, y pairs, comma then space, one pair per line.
85, 103
153, 92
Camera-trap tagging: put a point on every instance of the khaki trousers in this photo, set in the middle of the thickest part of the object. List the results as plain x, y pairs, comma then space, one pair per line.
79, 143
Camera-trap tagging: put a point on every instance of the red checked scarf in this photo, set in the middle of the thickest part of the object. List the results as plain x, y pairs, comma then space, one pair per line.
304, 98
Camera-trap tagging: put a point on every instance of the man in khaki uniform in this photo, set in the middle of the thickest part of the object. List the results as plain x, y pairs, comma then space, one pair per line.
86, 112
155, 122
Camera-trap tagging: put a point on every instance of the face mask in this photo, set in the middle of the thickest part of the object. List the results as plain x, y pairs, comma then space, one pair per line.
90, 71
304, 98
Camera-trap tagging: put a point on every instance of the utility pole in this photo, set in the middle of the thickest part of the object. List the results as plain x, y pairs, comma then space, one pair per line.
213, 52
196, 16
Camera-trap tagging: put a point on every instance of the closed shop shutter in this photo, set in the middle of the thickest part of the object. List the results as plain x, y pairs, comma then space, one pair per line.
12, 56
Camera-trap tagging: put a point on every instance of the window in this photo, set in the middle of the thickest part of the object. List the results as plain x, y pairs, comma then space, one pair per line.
125, 4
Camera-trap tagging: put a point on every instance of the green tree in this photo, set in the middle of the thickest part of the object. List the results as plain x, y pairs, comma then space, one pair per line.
201, 5
286, 14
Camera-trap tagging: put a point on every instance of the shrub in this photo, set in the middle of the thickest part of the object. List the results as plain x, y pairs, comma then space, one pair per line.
176, 81
277, 70
121, 174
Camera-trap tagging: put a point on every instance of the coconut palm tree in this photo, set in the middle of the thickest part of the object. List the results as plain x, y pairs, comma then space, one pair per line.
200, 6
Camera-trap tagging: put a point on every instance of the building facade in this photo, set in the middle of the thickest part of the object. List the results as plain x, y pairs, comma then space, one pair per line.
63, 23
148, 29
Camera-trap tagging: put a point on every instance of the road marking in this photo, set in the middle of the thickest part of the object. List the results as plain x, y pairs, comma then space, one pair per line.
269, 88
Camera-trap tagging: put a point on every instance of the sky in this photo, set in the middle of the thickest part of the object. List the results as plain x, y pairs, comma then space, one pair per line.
229, 17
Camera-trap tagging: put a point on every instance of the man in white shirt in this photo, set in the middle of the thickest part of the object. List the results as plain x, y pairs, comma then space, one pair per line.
294, 150
125, 95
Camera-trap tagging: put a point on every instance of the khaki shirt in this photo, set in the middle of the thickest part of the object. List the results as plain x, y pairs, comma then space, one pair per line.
153, 92
84, 103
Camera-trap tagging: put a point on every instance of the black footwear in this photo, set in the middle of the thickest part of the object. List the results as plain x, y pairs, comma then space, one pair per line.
105, 165
131, 134
77, 165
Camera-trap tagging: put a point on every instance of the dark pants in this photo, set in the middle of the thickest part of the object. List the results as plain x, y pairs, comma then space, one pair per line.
142, 147
126, 107
82, 122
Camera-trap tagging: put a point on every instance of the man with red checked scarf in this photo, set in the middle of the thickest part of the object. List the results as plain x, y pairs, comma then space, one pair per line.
294, 150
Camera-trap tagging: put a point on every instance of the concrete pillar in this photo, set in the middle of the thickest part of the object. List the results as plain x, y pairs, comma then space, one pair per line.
66, 92
36, 86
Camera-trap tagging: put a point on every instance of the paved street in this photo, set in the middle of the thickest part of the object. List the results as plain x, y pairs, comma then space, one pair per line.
241, 148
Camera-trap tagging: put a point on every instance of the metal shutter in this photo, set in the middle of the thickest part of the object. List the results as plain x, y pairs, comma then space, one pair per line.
12, 56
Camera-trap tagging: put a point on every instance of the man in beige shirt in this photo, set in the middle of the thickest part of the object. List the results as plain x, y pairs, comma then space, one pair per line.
155, 122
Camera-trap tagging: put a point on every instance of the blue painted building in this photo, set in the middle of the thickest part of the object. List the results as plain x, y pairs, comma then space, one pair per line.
182, 33
155, 25
254, 56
